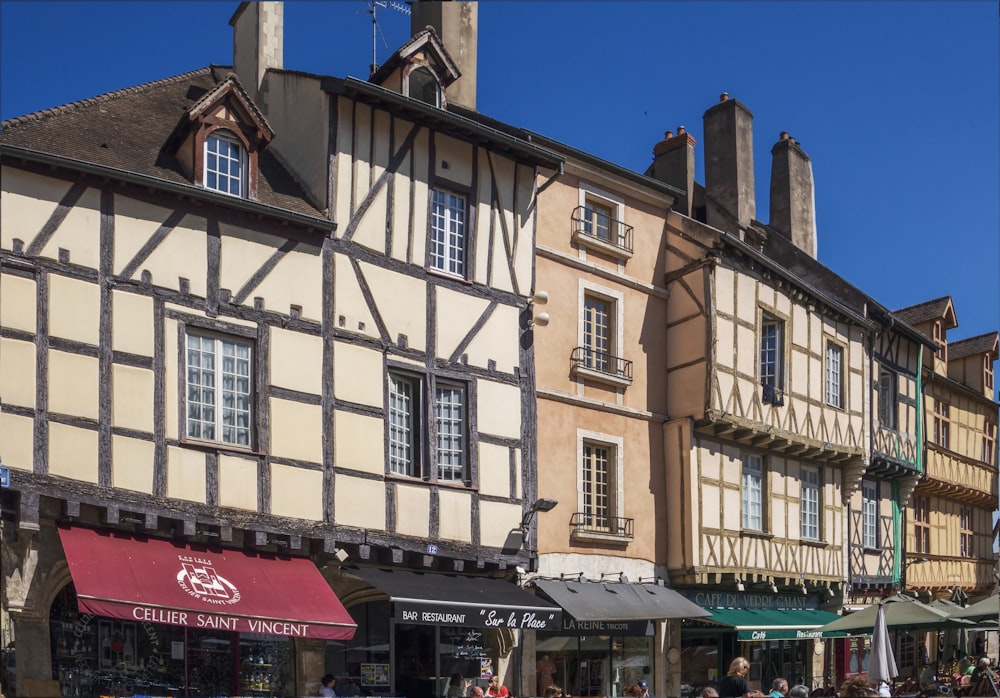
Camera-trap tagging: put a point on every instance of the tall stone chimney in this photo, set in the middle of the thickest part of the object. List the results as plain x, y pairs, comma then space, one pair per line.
258, 44
673, 164
729, 186
793, 198
457, 23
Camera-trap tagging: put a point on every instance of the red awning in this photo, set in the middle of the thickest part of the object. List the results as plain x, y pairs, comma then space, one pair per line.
161, 581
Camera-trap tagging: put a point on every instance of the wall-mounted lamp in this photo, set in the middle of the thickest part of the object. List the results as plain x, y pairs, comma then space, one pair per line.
341, 555
539, 319
740, 586
515, 539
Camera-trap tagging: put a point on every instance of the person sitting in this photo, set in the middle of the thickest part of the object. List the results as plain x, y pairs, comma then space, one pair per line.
495, 689
798, 691
779, 688
709, 692
327, 686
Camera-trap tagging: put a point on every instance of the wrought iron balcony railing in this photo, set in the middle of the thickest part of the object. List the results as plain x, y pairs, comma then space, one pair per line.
620, 526
591, 224
602, 363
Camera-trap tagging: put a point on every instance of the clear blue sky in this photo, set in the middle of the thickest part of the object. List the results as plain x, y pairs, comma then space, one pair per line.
895, 102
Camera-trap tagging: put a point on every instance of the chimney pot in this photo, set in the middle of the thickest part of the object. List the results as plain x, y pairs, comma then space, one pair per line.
784, 136
724, 96
668, 135
680, 130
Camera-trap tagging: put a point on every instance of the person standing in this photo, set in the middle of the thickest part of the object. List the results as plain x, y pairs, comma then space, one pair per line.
644, 690
734, 683
779, 688
327, 686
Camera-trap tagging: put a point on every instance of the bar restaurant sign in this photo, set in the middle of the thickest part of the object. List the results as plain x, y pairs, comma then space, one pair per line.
470, 615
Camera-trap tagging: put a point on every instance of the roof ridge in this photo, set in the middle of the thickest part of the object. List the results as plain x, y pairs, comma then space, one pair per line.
107, 96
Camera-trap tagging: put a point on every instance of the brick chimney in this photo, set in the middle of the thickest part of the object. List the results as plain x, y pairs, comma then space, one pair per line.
457, 23
673, 164
729, 186
258, 44
793, 199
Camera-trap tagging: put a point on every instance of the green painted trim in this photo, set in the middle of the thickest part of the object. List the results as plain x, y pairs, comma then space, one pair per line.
920, 409
897, 527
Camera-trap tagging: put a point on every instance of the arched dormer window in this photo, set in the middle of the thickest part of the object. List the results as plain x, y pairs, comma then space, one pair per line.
225, 164
424, 86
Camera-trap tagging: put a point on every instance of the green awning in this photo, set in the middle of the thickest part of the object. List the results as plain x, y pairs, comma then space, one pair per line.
774, 624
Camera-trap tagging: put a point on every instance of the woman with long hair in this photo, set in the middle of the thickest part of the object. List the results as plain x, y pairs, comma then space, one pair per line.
734, 683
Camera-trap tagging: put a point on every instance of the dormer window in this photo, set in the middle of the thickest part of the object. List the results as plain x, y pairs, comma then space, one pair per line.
422, 85
225, 164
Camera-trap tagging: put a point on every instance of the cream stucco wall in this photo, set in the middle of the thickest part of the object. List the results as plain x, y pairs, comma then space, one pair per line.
17, 303
296, 431
72, 452
358, 374
73, 384
185, 474
359, 442
455, 515
360, 502
296, 361
238, 482
499, 409
413, 510
18, 441
17, 380
132, 399
132, 464
132, 329
74, 309
296, 492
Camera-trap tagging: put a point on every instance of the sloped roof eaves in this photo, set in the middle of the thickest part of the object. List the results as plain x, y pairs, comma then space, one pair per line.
443, 120
127, 129
981, 344
922, 312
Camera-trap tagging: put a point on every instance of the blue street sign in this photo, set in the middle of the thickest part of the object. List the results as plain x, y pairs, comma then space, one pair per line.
4, 476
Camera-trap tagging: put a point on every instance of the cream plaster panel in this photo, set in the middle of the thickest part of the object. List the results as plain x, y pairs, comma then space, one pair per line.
401, 233
296, 361
494, 470
74, 309
132, 399
458, 155
497, 520
72, 452
296, 431
499, 409
238, 482
727, 382
782, 518
186, 474
855, 391
799, 330
816, 343
381, 152
17, 379
358, 374
421, 198
409, 317
524, 220
132, 329
724, 294
26, 203
766, 295
455, 516
349, 305
135, 222
732, 509
344, 164
296, 492
711, 516
359, 441
79, 233
782, 304
457, 313
132, 464
360, 503
172, 377
73, 384
361, 149
746, 298
815, 368
746, 350
17, 303
710, 461
370, 229
498, 339
413, 510
503, 171
182, 253
856, 349
796, 379
18, 440
725, 339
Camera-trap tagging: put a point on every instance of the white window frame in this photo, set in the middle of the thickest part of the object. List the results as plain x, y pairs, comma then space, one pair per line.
811, 503
589, 194
752, 492
448, 232
212, 409
451, 431
616, 470
771, 372
834, 375
224, 179
869, 514
417, 71
616, 331
405, 424
942, 423
888, 396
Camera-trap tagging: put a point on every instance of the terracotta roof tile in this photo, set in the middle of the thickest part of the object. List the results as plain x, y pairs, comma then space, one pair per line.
128, 128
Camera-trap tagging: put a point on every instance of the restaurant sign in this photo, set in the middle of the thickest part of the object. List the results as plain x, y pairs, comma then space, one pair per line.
442, 613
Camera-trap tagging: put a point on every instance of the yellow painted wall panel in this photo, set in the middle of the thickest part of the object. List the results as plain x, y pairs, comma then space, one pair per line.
172, 378
238, 482
132, 399
17, 303
456, 315
370, 229
458, 155
296, 361
73, 385
79, 233
359, 442
296, 280
401, 234
132, 464
186, 474
72, 452
746, 350
362, 161
413, 509
26, 203
498, 340
360, 503
358, 374
499, 409
18, 441
350, 308
494, 470
17, 379
407, 318
498, 518
524, 220
296, 431
132, 329
74, 309
455, 514
296, 492
173, 258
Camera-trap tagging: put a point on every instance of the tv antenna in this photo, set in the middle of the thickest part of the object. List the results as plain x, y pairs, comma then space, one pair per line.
373, 7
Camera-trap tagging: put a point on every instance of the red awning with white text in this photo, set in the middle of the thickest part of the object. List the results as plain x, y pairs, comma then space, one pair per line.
162, 581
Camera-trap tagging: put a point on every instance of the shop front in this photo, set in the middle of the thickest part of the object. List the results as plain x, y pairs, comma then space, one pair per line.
432, 634
155, 617
778, 634
608, 641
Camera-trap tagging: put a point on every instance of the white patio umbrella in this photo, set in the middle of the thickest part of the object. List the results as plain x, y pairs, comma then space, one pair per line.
882, 665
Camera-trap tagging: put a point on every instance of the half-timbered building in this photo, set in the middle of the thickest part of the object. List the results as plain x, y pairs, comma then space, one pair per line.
262, 334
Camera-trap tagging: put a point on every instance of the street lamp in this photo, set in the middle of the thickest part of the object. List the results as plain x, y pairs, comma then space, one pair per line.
515, 539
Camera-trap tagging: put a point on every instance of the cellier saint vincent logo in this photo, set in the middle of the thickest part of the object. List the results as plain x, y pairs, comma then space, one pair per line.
199, 578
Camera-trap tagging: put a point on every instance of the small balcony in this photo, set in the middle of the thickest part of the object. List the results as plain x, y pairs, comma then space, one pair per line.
601, 367
617, 529
597, 231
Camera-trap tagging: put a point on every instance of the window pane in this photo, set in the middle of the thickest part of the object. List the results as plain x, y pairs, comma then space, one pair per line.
448, 232
595, 482
770, 353
597, 333
449, 408
212, 412
753, 512
402, 442
224, 164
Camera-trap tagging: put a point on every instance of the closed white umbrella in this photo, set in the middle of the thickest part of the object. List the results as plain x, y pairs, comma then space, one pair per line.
882, 665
